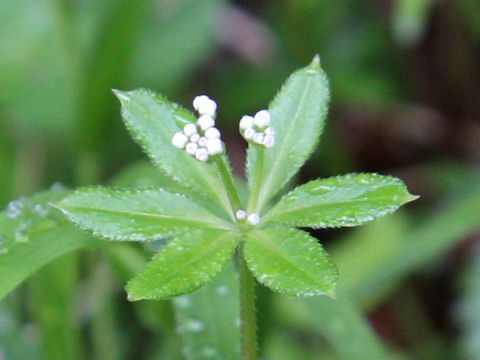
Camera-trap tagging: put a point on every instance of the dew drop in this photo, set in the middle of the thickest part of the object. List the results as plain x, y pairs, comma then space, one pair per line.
209, 351
20, 237
320, 188
194, 325
57, 186
183, 301
41, 210
222, 290
291, 198
14, 209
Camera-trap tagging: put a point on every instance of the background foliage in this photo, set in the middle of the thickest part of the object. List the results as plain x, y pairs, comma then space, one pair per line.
405, 83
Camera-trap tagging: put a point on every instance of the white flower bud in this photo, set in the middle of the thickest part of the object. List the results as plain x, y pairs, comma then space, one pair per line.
194, 138
249, 133
262, 119
207, 107
191, 148
214, 146
201, 155
258, 138
269, 131
199, 100
253, 219
269, 141
246, 122
212, 133
190, 129
202, 142
241, 214
179, 140
205, 122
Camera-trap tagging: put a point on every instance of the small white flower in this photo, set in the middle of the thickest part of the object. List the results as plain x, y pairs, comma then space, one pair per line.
262, 119
202, 142
179, 140
269, 141
205, 122
241, 214
207, 107
214, 146
191, 148
212, 133
269, 131
194, 138
199, 100
201, 155
246, 122
190, 129
258, 138
253, 219
249, 133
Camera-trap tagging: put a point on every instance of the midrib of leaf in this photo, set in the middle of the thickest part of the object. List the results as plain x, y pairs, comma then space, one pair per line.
200, 255
287, 135
206, 175
317, 206
223, 199
219, 223
282, 255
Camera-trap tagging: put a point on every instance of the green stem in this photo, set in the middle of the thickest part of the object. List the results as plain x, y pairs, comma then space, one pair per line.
253, 204
248, 328
227, 178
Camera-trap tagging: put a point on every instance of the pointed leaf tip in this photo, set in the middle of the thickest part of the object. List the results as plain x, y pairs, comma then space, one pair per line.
412, 197
315, 64
121, 95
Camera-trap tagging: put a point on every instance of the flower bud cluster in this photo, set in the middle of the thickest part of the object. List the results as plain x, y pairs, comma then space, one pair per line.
201, 140
257, 129
253, 218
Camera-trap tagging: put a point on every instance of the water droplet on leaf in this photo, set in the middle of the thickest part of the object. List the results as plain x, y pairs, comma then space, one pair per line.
14, 209
194, 325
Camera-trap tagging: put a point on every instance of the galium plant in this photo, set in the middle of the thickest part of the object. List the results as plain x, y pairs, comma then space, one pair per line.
203, 217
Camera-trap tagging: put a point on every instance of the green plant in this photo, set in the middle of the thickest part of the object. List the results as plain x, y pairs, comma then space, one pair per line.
202, 215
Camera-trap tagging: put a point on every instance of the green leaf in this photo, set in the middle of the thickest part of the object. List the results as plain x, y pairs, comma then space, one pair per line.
290, 261
33, 234
347, 200
298, 113
153, 120
208, 319
186, 263
137, 215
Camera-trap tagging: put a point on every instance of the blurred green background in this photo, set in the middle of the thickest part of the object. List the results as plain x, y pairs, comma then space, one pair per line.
405, 79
